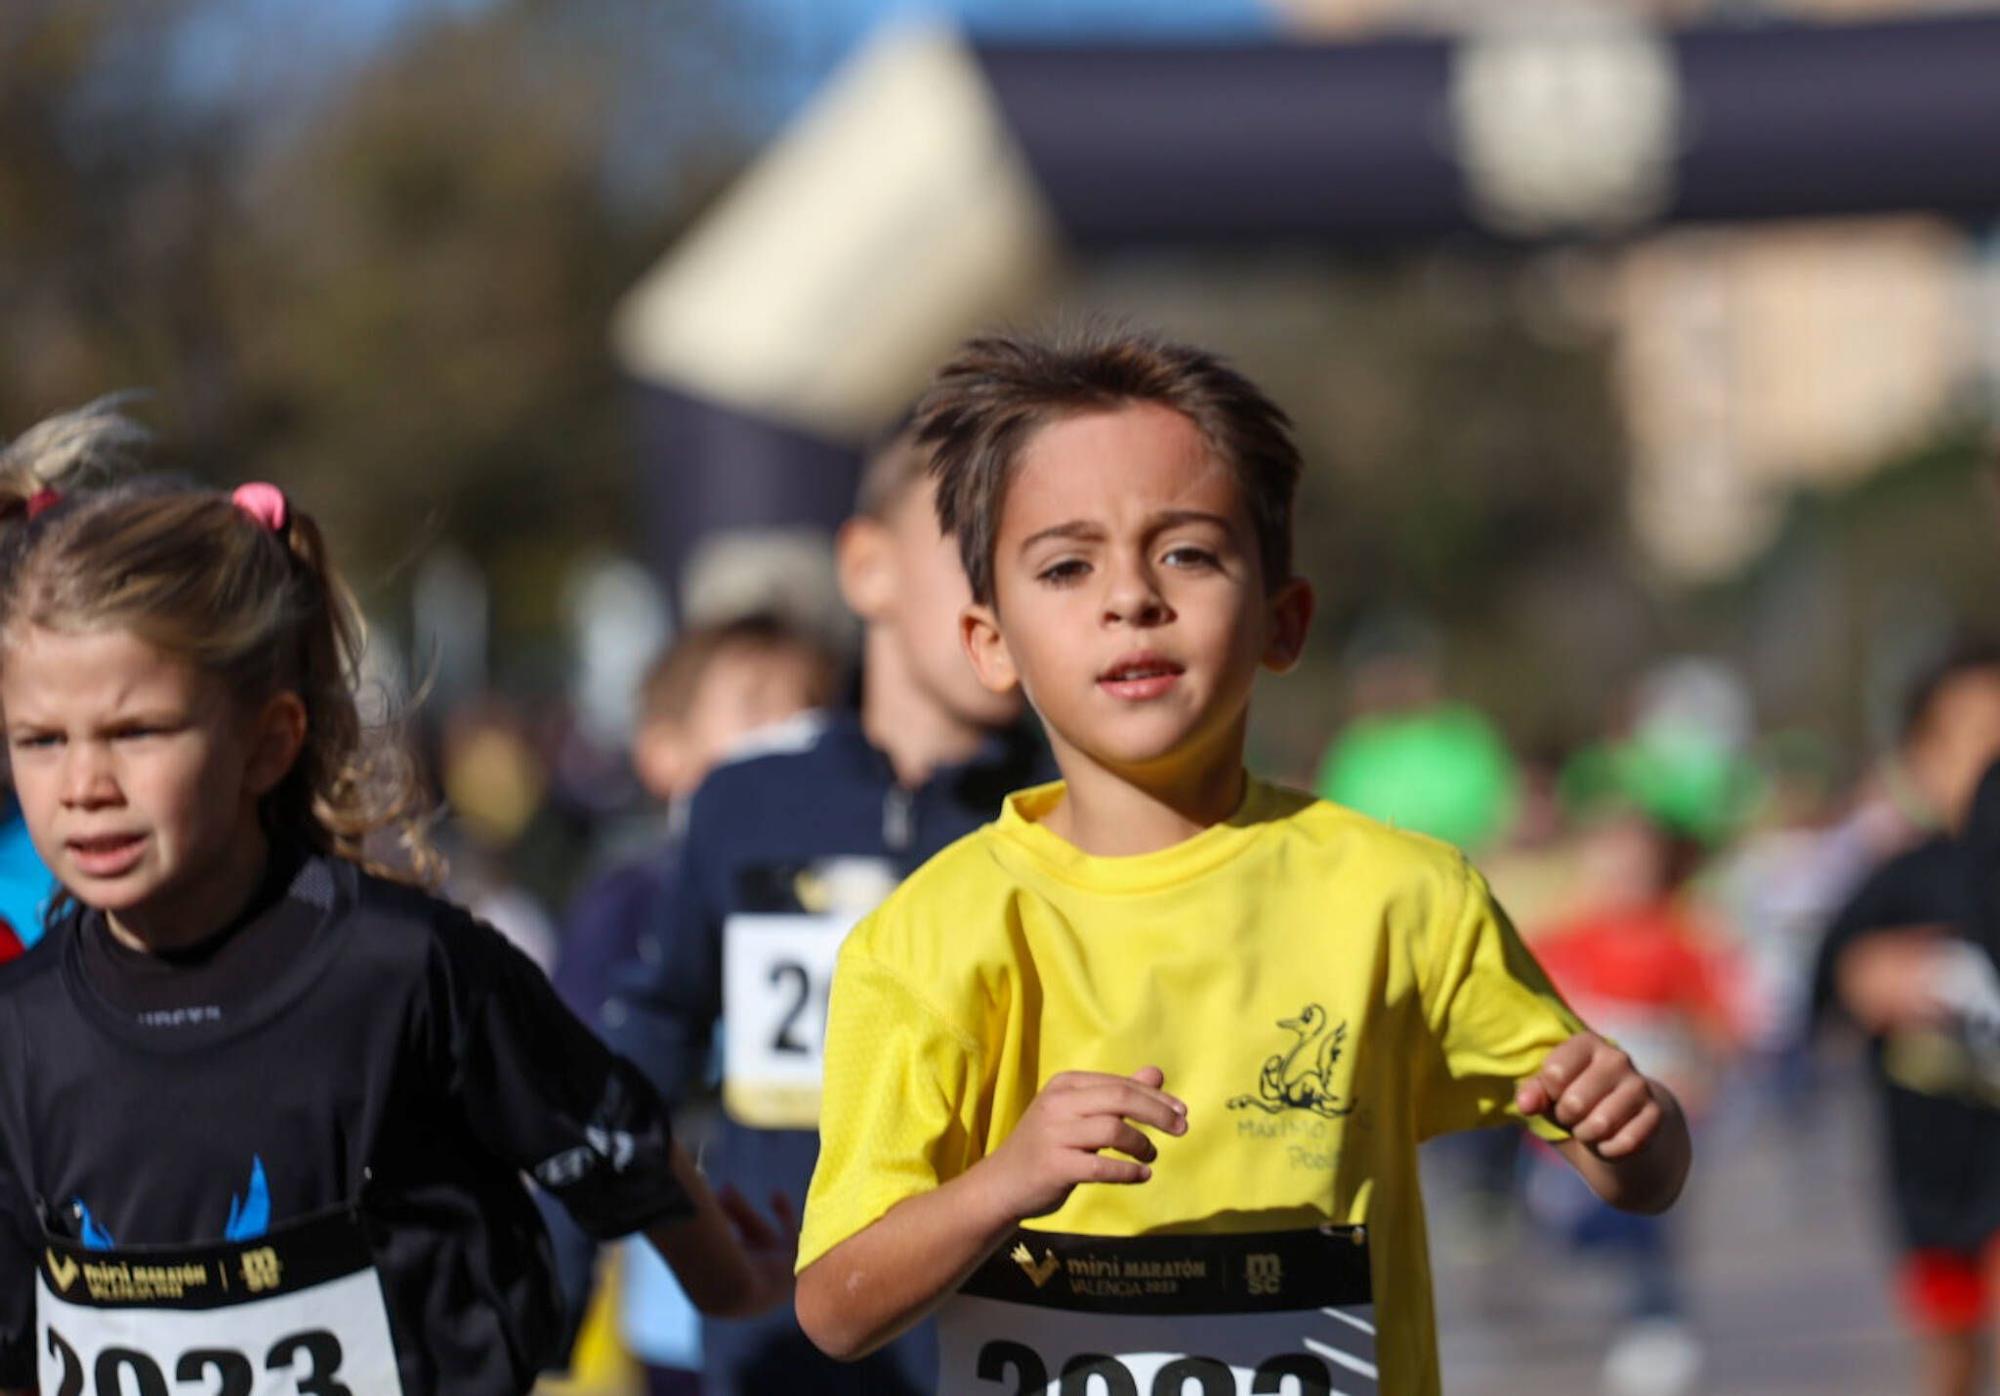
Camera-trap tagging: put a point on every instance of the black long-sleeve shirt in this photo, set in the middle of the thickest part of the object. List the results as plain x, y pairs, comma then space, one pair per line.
349, 1043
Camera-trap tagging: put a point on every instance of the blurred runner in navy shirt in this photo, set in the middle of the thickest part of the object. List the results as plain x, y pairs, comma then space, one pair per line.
785, 850
714, 689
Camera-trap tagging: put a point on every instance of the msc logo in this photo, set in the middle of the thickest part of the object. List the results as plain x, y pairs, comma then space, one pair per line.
1038, 1271
63, 1270
1264, 1272
261, 1270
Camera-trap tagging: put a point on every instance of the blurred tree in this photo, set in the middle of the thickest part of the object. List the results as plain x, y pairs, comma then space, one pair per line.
384, 284
111, 206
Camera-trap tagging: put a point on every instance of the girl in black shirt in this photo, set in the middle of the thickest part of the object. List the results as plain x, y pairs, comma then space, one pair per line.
265, 1113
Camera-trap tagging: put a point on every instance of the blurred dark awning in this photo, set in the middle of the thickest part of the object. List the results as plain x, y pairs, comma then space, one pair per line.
1379, 141
934, 185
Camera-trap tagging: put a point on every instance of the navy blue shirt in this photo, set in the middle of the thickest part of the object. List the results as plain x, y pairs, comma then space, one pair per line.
816, 792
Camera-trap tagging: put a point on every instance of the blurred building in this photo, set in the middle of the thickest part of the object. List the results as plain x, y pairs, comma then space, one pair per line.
1756, 362
1752, 362
1349, 17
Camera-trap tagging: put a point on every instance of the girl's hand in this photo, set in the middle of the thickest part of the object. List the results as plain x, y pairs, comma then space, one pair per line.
730, 1261
1061, 1139
769, 1252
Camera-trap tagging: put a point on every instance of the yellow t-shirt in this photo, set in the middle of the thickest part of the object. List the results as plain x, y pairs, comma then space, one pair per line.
1323, 992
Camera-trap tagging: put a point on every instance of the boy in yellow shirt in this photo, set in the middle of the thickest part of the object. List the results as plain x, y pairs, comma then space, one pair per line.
1321, 992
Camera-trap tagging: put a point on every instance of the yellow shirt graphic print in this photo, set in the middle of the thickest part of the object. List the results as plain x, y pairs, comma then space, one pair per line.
1322, 991
1301, 1078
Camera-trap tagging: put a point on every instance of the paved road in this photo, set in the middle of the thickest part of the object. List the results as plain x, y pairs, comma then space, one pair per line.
1788, 1278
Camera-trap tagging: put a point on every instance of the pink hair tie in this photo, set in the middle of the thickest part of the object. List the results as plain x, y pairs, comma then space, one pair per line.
262, 502
42, 500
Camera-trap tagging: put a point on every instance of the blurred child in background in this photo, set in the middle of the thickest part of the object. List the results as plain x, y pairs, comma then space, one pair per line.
705, 698
699, 702
1641, 962
1911, 961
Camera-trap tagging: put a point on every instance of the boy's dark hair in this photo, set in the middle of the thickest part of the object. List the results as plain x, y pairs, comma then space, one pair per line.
668, 687
1968, 656
986, 402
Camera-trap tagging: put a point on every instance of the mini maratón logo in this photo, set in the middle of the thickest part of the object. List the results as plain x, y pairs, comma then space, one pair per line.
1301, 1078
1039, 1271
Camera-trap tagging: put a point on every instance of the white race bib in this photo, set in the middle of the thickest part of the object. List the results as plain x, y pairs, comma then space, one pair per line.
776, 973
1053, 1314
295, 1313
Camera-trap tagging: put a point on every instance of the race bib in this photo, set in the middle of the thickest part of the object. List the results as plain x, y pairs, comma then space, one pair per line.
296, 1313
776, 972
1287, 1312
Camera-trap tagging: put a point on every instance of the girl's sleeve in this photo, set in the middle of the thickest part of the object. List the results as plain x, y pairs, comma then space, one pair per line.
901, 1086
540, 1092
1490, 1012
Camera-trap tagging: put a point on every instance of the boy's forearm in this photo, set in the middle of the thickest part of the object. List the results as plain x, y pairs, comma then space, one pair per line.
1650, 1178
877, 1283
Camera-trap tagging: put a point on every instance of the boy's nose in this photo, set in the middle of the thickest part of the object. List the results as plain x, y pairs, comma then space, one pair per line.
88, 781
1134, 600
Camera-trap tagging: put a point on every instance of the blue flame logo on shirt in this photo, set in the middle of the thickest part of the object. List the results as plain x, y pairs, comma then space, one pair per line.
249, 1214
93, 1236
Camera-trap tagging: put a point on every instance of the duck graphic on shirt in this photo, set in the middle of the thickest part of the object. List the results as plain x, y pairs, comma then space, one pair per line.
1302, 1077
249, 1214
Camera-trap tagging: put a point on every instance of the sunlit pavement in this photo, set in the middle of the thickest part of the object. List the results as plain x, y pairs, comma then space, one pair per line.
1785, 1265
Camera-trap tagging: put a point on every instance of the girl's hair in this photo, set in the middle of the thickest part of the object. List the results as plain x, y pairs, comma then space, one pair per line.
190, 572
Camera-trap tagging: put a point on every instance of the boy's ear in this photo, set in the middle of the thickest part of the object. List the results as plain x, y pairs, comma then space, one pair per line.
866, 567
280, 736
1291, 617
979, 632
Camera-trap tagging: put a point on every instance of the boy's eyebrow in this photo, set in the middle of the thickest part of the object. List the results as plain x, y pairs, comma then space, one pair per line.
1085, 531
1081, 529
1174, 518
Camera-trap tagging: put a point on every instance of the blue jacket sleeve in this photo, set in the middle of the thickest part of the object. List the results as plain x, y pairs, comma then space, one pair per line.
664, 1002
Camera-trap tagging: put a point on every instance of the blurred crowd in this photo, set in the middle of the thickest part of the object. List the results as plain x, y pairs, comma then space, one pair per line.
1740, 908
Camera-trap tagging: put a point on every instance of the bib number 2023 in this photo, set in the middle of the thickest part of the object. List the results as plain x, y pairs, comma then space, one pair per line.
1096, 1374
312, 1358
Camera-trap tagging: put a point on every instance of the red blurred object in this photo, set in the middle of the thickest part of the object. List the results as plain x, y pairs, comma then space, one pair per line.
1944, 1291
